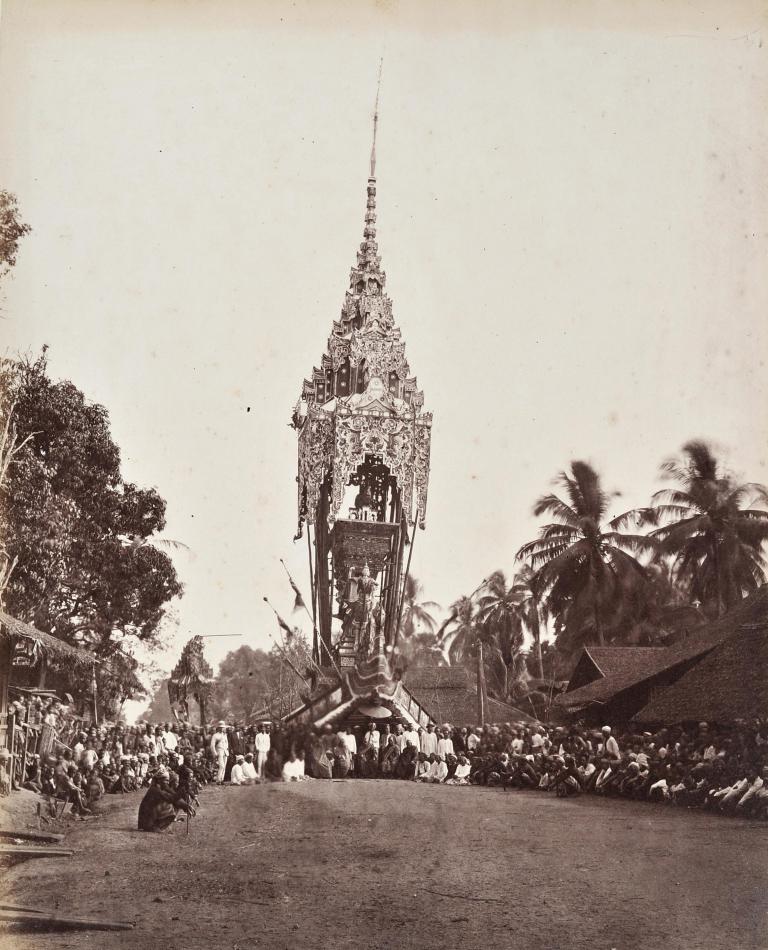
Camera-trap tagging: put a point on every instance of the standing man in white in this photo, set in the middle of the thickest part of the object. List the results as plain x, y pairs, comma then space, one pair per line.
262, 745
220, 750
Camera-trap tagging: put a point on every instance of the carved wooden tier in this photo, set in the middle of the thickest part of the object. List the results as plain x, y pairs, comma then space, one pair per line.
357, 543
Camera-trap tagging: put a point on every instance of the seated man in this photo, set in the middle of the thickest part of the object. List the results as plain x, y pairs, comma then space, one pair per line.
237, 776
438, 771
501, 771
461, 773
293, 768
567, 778
424, 766
157, 810
250, 775
94, 786
407, 763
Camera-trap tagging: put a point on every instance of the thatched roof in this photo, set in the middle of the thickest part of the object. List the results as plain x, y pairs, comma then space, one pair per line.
639, 669
612, 660
56, 648
447, 695
730, 683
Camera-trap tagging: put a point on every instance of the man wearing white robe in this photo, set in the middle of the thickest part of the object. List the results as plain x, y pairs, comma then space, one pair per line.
444, 746
350, 741
429, 741
262, 745
373, 737
412, 738
220, 750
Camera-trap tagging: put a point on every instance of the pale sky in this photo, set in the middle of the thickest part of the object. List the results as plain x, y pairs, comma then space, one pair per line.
572, 217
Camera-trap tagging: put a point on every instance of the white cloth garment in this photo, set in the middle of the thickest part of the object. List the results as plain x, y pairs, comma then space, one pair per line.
429, 743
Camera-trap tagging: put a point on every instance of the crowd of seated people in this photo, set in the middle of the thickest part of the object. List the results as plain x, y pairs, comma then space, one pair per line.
721, 769
725, 769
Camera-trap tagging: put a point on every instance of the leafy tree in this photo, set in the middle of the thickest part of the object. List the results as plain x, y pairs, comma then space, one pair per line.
68, 513
159, 709
583, 566
660, 611
713, 533
252, 681
12, 230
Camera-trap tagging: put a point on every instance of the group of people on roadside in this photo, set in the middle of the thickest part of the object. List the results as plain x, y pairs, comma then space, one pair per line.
722, 769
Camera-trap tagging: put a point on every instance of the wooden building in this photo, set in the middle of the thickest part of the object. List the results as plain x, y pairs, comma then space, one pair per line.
613, 685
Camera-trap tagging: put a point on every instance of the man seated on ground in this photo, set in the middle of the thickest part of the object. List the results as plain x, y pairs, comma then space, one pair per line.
586, 771
33, 779
523, 773
68, 787
407, 763
250, 776
423, 767
237, 777
501, 771
437, 770
158, 808
293, 768
567, 778
461, 774
754, 781
127, 776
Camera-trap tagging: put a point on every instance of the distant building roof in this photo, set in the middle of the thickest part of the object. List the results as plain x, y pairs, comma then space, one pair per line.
640, 668
594, 663
730, 683
447, 696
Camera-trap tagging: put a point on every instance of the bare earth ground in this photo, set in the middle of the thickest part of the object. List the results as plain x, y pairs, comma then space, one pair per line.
377, 864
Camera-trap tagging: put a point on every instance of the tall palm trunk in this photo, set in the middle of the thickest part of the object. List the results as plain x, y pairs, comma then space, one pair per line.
536, 631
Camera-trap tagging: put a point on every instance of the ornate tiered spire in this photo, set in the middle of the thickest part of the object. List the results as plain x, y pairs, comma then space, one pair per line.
368, 260
362, 403
372, 176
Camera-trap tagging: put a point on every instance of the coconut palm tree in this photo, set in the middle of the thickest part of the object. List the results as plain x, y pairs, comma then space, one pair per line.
532, 611
417, 614
713, 533
459, 632
417, 643
583, 565
500, 628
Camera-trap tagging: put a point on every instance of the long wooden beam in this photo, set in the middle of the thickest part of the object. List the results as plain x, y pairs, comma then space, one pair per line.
20, 851
28, 919
32, 835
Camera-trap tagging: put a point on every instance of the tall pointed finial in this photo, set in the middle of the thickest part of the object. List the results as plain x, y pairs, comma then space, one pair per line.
376, 121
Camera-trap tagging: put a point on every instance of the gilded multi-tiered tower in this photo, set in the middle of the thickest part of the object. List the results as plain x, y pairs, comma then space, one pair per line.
364, 446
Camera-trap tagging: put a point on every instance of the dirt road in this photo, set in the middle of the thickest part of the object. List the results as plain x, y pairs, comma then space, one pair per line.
374, 865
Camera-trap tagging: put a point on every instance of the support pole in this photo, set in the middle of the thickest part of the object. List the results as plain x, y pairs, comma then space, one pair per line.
95, 697
396, 633
315, 647
480, 684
